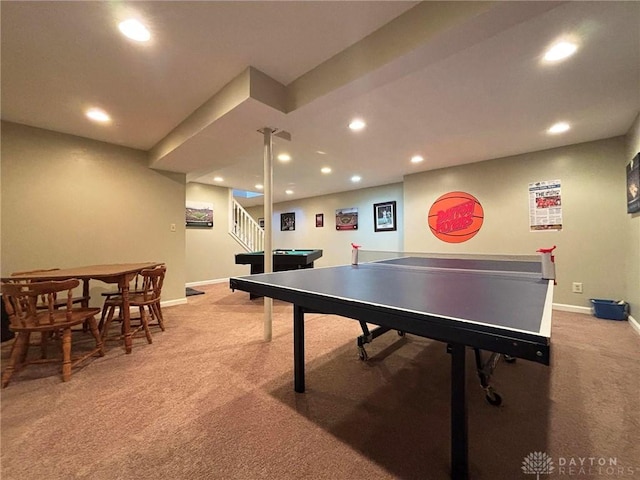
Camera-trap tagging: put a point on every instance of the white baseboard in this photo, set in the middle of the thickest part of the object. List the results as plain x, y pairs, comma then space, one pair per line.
634, 324
587, 310
207, 282
167, 303
571, 308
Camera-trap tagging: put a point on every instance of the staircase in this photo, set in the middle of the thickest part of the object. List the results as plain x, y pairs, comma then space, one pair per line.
243, 228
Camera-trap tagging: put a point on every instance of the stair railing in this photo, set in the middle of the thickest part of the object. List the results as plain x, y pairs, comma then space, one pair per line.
243, 228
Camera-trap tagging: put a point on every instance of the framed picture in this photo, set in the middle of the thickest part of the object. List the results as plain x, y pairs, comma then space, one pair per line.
287, 221
633, 185
384, 217
347, 219
319, 219
199, 214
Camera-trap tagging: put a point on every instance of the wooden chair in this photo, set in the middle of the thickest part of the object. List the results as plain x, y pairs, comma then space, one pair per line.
135, 288
59, 303
21, 300
42, 303
146, 298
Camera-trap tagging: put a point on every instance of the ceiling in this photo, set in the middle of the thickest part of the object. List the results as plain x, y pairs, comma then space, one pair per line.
456, 82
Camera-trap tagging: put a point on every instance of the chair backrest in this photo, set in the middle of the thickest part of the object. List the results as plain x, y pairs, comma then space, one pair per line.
21, 300
152, 280
43, 300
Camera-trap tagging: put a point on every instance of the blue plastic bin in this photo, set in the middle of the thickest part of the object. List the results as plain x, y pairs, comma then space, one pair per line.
609, 309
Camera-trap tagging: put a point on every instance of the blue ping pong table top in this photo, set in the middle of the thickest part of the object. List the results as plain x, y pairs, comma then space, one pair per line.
508, 295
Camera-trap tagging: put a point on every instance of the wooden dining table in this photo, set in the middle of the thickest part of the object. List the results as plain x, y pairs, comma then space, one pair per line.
120, 274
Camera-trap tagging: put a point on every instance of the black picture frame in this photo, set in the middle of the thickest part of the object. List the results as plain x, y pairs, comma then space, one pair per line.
633, 185
287, 222
319, 220
385, 217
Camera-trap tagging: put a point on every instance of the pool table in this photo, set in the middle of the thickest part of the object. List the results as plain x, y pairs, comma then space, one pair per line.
283, 259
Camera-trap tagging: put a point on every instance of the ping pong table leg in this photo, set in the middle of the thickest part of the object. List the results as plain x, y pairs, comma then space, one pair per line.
298, 348
485, 371
459, 425
368, 336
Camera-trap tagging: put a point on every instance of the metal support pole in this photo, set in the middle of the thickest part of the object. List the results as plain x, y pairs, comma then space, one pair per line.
268, 227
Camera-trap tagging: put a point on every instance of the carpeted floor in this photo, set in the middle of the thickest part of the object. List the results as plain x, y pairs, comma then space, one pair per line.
209, 399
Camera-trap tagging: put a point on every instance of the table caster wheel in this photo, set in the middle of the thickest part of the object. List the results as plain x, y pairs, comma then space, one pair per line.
493, 398
509, 359
400, 333
362, 354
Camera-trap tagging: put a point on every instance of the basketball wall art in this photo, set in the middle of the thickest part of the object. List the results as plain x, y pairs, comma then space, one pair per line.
455, 217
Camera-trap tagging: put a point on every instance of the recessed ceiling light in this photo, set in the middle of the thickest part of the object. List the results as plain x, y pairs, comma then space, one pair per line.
284, 157
559, 127
259, 186
218, 179
357, 124
325, 170
134, 30
560, 51
98, 115
289, 192
321, 152
417, 159
356, 178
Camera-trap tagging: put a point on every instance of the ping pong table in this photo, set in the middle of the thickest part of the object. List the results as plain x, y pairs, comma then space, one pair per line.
497, 305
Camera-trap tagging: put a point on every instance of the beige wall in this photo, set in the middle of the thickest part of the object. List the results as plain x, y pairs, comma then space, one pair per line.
592, 246
633, 225
598, 245
336, 245
68, 201
211, 251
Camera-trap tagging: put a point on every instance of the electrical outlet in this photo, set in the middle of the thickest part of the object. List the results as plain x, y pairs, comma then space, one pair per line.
172, 227
576, 287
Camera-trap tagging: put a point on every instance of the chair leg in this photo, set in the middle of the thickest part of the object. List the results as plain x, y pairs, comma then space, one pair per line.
144, 318
18, 353
66, 355
103, 316
107, 322
93, 326
158, 314
25, 350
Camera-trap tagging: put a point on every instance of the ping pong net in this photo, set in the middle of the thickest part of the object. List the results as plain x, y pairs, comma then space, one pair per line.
482, 264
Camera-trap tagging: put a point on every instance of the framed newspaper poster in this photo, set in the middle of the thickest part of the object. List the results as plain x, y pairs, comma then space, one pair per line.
545, 206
